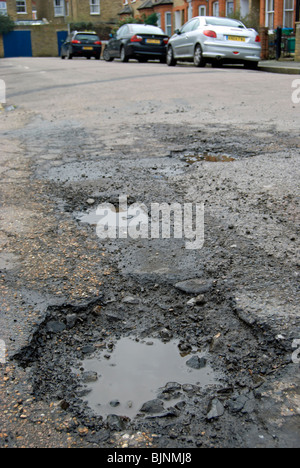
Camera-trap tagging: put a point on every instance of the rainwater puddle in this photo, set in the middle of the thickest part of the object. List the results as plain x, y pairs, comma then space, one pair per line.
90, 217
136, 373
113, 216
111, 219
193, 158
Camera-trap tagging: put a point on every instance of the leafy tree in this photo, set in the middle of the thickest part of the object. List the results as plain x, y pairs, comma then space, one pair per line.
151, 19
251, 20
6, 24
127, 20
81, 26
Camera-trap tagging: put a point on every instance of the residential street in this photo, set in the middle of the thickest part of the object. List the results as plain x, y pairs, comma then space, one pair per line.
75, 307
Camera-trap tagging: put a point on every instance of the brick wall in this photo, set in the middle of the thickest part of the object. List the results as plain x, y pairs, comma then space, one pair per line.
12, 10
43, 40
297, 51
264, 37
79, 11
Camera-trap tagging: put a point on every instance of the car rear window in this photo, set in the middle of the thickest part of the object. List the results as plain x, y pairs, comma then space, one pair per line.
142, 29
224, 22
87, 37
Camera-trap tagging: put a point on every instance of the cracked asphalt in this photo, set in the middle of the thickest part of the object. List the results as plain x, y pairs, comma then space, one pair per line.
77, 134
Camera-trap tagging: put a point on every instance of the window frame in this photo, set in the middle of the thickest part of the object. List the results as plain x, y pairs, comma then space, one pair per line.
95, 5
22, 4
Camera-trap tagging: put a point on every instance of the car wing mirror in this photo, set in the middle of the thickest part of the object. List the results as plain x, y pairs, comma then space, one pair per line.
177, 31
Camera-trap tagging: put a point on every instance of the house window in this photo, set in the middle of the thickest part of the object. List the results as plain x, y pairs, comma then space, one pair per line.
21, 6
270, 14
59, 7
202, 10
288, 14
229, 8
3, 8
95, 7
158, 19
216, 9
169, 23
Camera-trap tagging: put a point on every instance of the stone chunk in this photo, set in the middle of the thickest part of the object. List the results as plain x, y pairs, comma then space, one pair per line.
195, 286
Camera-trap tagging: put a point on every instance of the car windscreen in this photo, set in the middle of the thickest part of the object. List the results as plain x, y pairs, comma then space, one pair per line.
224, 22
87, 37
141, 29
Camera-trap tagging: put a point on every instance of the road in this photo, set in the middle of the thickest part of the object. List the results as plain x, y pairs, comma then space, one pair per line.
79, 134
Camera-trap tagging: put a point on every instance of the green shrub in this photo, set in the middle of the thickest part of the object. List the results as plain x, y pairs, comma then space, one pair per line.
6, 24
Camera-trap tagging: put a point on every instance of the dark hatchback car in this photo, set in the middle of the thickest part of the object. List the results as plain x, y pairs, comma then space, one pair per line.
137, 41
82, 44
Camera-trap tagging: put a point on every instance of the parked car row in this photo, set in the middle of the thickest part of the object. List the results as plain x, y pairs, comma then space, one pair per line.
203, 39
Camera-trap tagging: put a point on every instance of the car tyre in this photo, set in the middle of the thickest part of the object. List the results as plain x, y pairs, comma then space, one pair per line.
171, 62
106, 56
198, 57
124, 57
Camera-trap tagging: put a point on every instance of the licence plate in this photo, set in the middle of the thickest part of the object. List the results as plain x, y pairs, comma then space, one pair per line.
153, 41
236, 38
87, 48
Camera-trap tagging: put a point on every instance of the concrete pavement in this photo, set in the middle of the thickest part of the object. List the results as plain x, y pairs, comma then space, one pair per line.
288, 67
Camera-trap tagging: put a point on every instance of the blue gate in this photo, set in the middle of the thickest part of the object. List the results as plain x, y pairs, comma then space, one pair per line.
61, 37
17, 44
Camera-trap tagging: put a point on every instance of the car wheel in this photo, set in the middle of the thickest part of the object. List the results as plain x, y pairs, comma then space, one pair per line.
171, 62
106, 56
198, 57
124, 57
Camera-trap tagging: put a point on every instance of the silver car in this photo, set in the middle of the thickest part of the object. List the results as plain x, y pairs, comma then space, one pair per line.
216, 40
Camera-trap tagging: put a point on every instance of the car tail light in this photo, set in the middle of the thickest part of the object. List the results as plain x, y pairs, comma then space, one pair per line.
166, 40
136, 38
257, 39
210, 33
98, 43
76, 42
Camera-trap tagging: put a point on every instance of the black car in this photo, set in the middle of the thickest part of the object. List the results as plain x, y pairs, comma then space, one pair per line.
82, 44
137, 41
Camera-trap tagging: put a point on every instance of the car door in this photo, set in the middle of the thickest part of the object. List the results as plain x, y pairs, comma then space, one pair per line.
113, 43
66, 45
121, 33
183, 42
191, 38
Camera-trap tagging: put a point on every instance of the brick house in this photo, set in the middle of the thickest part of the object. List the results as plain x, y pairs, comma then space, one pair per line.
67, 11
42, 25
21, 10
173, 14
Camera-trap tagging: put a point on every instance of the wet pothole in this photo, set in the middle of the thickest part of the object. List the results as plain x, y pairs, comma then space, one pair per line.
145, 377
208, 157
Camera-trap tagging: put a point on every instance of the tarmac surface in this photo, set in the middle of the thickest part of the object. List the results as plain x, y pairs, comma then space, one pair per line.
76, 306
